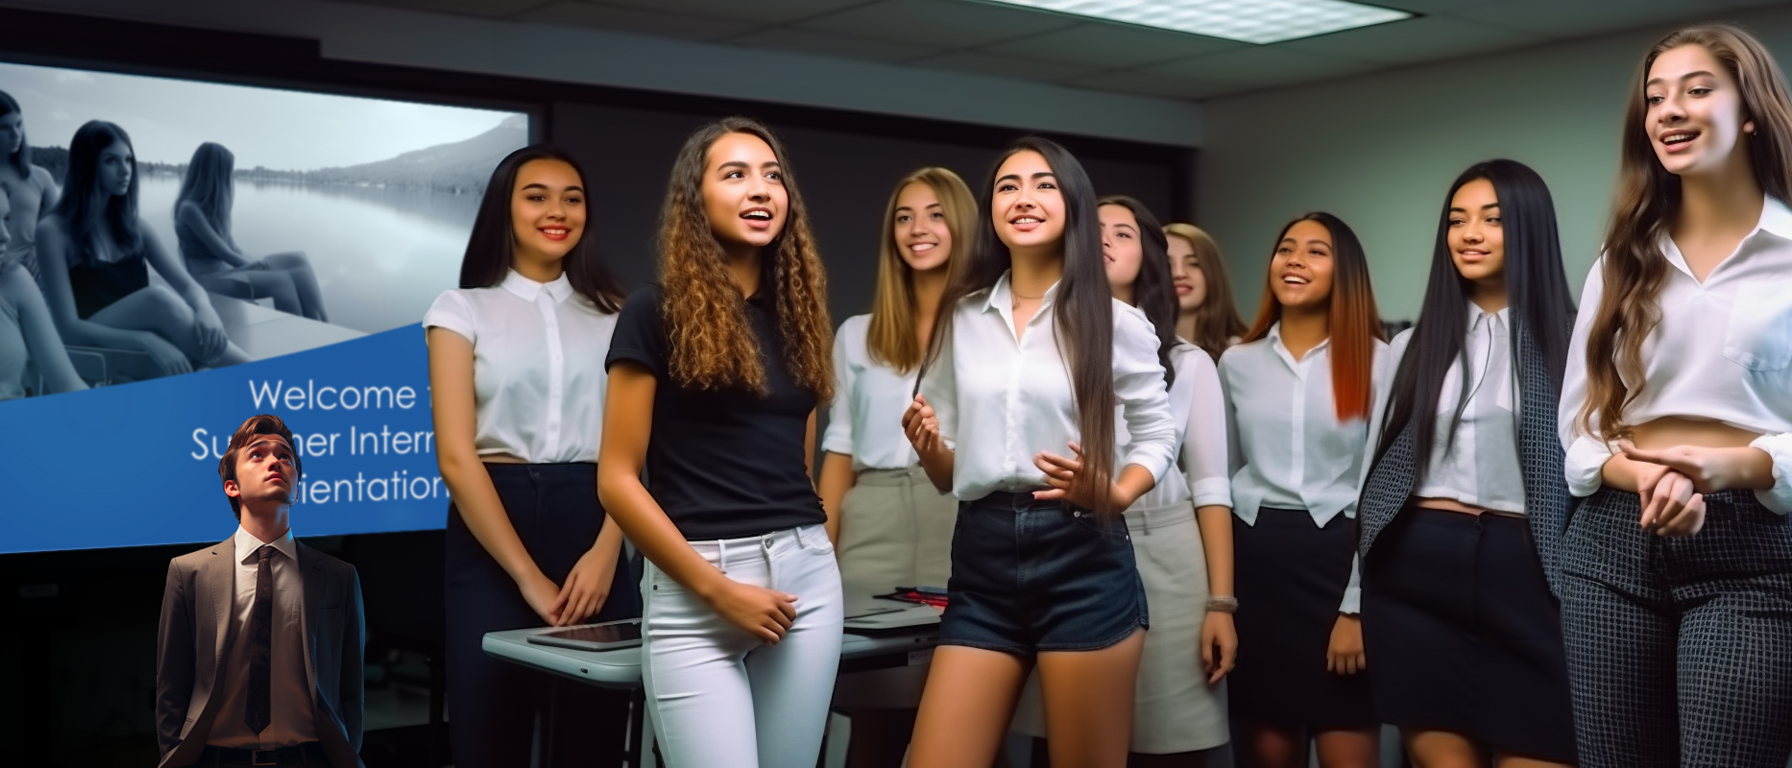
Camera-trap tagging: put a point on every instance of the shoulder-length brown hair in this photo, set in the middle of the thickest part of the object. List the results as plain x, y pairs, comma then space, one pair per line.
1648, 199
891, 338
1216, 320
712, 344
1355, 323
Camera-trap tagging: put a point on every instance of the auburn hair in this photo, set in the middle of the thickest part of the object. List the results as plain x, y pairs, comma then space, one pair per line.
1634, 268
1353, 324
711, 340
891, 338
1216, 320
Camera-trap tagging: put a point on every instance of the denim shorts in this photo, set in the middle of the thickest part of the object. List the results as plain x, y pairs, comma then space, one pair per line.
1031, 576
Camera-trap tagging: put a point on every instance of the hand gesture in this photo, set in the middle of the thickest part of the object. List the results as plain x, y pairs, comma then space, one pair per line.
542, 595
208, 332
1062, 478
167, 357
586, 587
1345, 654
922, 427
763, 613
1219, 646
1671, 484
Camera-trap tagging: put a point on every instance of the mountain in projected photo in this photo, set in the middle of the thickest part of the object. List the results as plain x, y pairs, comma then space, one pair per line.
459, 167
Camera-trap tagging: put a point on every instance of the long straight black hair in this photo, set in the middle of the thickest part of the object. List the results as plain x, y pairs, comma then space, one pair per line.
75, 207
1536, 290
491, 248
1154, 290
1083, 313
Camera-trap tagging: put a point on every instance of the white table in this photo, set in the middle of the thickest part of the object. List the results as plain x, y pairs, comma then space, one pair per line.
903, 638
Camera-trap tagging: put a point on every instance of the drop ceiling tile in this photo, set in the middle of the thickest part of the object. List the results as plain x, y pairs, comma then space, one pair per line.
943, 23
1148, 84
1262, 66
1563, 19
1427, 38
762, 13
1113, 46
489, 8
841, 46
1005, 66
631, 20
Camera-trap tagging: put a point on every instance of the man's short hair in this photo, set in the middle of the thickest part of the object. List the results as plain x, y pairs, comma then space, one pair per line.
256, 426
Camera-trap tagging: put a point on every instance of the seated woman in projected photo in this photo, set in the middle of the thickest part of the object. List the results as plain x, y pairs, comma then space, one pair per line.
202, 223
27, 334
95, 253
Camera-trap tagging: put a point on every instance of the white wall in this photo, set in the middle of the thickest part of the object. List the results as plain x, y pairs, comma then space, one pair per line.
1381, 150
574, 54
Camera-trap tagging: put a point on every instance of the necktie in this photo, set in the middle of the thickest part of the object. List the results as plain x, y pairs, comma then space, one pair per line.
258, 711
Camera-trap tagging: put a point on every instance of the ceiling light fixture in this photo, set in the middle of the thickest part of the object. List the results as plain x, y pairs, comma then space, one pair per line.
1249, 21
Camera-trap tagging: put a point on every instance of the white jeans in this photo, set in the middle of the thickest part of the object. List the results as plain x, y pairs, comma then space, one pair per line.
721, 698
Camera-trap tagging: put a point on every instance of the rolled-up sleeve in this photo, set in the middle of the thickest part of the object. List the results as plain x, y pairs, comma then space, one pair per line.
1204, 451
1139, 389
1779, 447
939, 385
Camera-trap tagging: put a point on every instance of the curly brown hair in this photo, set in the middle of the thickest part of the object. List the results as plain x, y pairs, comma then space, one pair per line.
712, 345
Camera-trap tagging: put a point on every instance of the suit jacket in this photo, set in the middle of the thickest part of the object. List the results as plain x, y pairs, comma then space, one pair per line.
196, 630
1547, 502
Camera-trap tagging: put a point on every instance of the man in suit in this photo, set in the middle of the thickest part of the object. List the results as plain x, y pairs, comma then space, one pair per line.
258, 660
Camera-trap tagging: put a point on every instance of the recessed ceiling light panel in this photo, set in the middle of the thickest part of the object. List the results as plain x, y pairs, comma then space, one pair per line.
1250, 21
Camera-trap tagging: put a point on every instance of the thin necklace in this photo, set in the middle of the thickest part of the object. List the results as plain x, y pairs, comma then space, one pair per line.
1017, 295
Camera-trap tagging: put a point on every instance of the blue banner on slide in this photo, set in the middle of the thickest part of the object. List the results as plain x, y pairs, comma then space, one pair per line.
137, 464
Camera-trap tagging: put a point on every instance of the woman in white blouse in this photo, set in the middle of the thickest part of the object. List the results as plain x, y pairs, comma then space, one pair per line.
1676, 569
1181, 531
891, 526
1298, 395
1207, 313
1029, 360
517, 391
1466, 636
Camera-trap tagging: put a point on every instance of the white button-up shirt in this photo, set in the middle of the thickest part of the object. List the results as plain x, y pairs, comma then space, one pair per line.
538, 366
1289, 450
1198, 408
291, 719
1720, 353
865, 421
1480, 466
1001, 398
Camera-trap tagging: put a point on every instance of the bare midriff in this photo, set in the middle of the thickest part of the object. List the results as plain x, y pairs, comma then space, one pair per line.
1448, 505
500, 458
1671, 431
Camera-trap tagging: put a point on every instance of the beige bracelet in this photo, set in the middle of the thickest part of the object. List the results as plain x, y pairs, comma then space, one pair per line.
1227, 604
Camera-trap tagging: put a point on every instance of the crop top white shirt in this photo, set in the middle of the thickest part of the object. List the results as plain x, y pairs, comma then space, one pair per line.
538, 366
1720, 353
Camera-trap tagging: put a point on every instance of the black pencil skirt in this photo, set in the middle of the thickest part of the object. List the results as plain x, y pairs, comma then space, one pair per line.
1463, 635
494, 705
1291, 576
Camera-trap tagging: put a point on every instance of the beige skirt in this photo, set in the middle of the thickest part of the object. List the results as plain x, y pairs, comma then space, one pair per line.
895, 531
1174, 710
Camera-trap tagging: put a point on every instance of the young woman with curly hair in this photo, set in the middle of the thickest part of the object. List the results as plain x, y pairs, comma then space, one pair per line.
715, 375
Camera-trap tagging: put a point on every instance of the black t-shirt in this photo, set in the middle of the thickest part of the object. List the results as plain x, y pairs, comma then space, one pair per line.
722, 463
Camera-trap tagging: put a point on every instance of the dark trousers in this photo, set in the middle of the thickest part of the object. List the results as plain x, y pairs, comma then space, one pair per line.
1679, 649
493, 705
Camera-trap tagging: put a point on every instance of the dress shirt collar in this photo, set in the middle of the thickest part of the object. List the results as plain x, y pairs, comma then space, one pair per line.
527, 289
1476, 314
1001, 295
1776, 220
1275, 342
246, 544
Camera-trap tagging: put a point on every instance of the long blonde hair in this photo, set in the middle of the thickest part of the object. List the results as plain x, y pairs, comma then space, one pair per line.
1648, 199
891, 338
1216, 321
